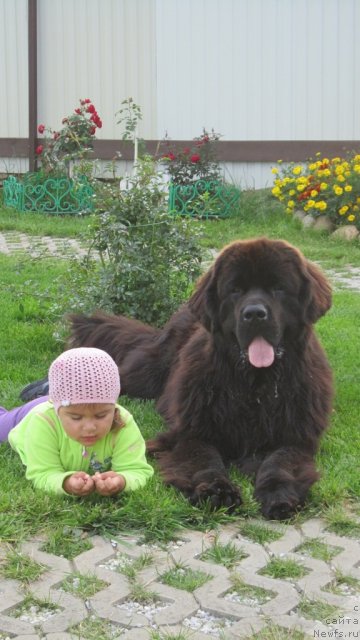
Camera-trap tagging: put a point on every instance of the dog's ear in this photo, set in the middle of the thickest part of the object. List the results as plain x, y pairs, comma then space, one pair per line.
204, 302
318, 293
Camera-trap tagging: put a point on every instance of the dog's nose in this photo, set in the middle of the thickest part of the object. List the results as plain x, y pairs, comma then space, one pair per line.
255, 312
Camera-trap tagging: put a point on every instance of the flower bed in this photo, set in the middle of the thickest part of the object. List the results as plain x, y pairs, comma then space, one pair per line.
51, 195
321, 186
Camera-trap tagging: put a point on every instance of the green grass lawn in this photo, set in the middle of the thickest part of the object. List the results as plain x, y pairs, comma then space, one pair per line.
28, 343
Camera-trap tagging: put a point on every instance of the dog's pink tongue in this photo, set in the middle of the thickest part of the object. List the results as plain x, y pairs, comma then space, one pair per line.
261, 353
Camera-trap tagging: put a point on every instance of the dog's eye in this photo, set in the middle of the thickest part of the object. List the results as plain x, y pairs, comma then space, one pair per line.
236, 289
278, 292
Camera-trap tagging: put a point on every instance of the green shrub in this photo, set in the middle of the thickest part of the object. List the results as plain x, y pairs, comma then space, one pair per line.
148, 259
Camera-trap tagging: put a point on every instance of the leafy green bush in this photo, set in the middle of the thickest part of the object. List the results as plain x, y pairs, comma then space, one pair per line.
148, 259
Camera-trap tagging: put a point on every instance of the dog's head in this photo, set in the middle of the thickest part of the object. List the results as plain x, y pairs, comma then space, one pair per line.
259, 291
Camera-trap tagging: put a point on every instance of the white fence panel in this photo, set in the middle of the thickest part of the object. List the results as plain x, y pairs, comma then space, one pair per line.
98, 49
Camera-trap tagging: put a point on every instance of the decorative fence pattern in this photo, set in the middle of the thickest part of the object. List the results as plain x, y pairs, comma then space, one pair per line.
51, 195
203, 199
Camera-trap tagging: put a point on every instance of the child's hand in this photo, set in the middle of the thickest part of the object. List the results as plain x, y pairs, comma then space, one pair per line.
109, 483
79, 484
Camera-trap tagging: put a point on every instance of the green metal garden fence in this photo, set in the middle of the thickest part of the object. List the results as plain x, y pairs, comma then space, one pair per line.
51, 195
203, 199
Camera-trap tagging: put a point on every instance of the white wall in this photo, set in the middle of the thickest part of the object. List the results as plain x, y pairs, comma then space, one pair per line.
250, 69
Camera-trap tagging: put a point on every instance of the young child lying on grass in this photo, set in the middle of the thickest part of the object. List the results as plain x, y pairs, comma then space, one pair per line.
78, 439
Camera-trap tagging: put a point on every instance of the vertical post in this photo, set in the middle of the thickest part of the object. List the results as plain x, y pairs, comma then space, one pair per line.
136, 149
32, 79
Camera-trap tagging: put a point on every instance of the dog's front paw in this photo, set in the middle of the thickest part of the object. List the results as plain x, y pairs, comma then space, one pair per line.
217, 491
279, 505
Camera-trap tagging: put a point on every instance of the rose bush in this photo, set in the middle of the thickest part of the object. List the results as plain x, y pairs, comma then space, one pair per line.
197, 162
72, 142
321, 186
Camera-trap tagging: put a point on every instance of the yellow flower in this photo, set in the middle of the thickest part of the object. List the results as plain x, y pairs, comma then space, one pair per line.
292, 192
324, 186
341, 178
301, 187
274, 170
338, 190
348, 187
343, 210
291, 204
313, 193
321, 205
276, 191
297, 170
311, 204
351, 218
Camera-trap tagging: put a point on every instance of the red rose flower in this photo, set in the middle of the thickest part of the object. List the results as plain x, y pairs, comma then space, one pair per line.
41, 128
78, 111
169, 156
195, 158
92, 130
39, 149
186, 150
91, 109
95, 118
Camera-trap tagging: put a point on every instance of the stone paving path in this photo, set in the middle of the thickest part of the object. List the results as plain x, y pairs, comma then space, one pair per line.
14, 241
322, 600
243, 601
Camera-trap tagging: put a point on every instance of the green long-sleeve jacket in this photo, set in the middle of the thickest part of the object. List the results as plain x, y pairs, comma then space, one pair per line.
50, 455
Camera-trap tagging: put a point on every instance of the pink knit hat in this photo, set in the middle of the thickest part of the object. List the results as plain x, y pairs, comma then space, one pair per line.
83, 375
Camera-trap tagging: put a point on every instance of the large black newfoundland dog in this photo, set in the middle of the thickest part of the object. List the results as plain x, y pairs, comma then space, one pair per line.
238, 374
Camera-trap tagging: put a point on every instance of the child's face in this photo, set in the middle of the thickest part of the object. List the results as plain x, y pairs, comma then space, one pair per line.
87, 423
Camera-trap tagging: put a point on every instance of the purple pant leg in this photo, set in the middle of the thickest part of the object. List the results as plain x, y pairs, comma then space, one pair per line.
9, 419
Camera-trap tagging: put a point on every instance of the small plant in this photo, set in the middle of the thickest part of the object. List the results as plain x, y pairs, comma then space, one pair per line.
259, 533
67, 542
247, 592
343, 584
131, 568
35, 608
284, 568
319, 550
84, 586
72, 142
18, 566
140, 594
275, 632
316, 609
182, 577
94, 628
197, 162
341, 523
226, 554
129, 116
163, 635
323, 185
